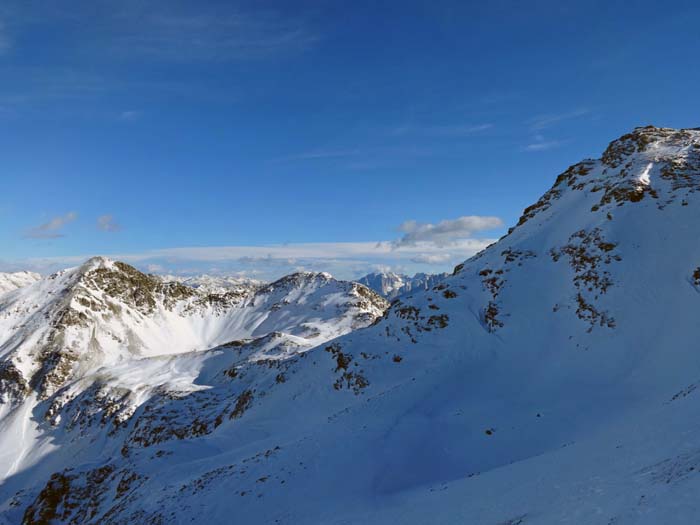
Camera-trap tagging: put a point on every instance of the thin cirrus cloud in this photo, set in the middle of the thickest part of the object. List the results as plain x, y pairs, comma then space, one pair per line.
136, 32
358, 158
547, 121
456, 130
106, 223
129, 115
542, 122
542, 145
51, 229
229, 34
445, 233
171, 31
320, 155
293, 252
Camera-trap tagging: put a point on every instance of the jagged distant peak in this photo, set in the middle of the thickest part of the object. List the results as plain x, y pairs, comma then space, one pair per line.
215, 283
392, 285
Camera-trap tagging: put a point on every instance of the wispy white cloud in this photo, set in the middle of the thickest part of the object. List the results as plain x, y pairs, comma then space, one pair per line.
431, 258
541, 122
51, 229
293, 252
359, 158
440, 245
223, 35
321, 154
37, 87
445, 232
134, 32
130, 115
449, 130
542, 145
345, 260
106, 223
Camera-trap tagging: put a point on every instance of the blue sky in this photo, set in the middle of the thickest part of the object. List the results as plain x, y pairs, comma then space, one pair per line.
262, 137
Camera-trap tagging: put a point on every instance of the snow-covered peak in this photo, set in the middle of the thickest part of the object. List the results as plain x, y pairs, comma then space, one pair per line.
301, 279
651, 143
387, 284
655, 166
98, 261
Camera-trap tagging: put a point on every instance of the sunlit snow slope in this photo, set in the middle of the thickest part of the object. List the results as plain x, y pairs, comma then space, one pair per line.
552, 379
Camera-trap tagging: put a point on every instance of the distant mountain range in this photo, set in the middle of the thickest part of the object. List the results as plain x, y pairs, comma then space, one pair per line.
387, 284
215, 283
392, 285
12, 281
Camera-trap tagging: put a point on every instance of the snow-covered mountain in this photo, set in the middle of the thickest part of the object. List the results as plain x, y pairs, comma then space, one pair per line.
553, 378
392, 285
12, 281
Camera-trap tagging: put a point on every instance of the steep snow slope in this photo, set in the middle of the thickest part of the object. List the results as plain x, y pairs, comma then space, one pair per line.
12, 281
392, 285
552, 379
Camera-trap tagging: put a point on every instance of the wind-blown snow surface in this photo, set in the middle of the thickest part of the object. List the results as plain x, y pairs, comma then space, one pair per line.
552, 379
